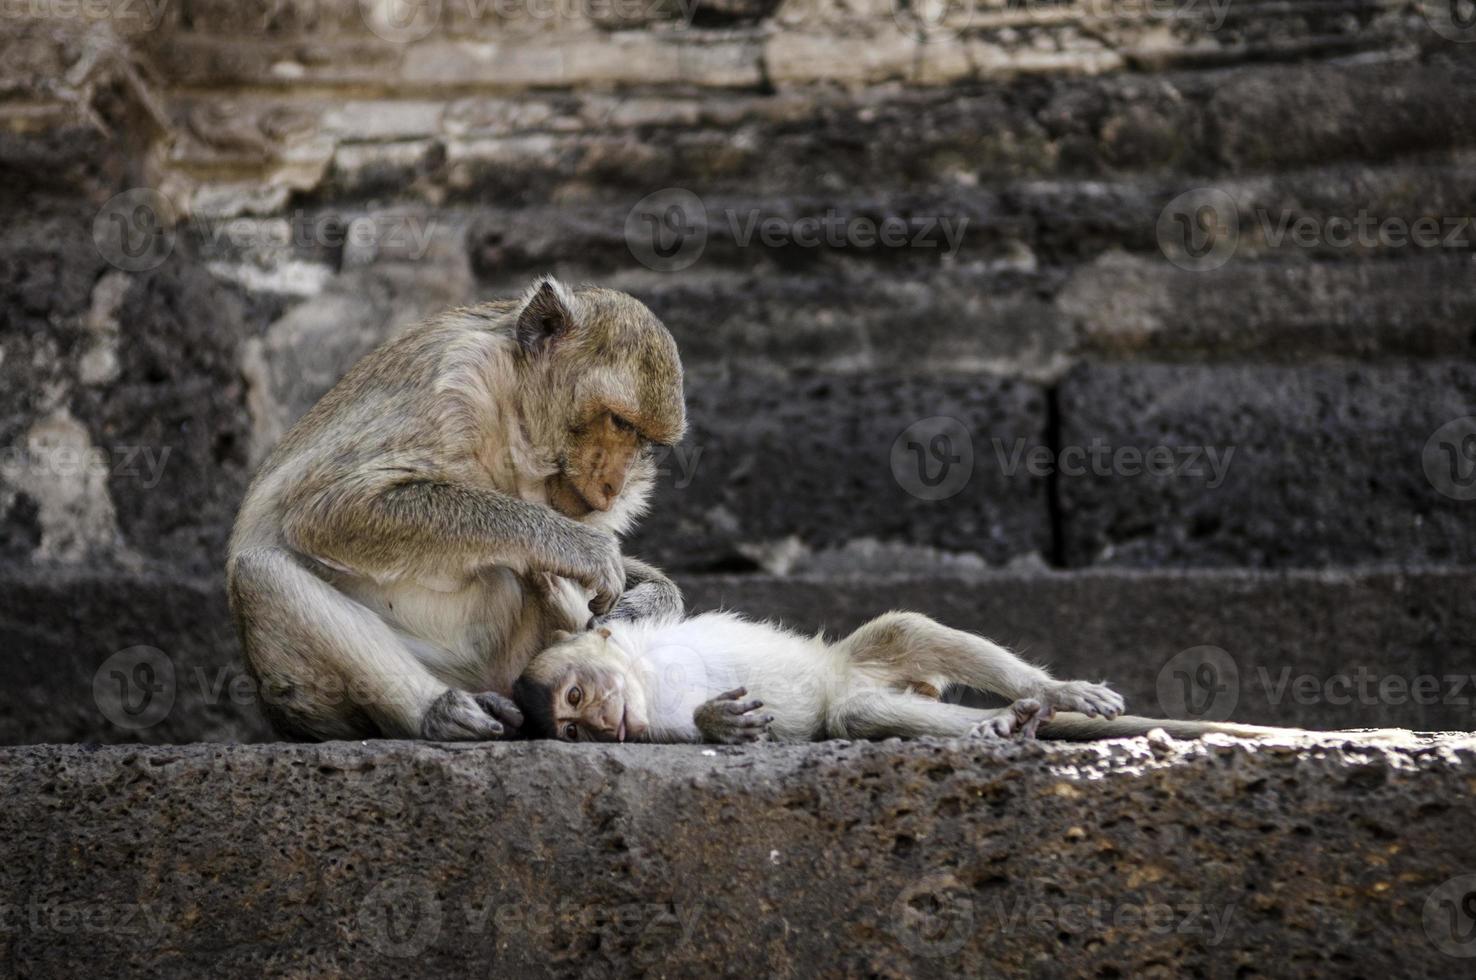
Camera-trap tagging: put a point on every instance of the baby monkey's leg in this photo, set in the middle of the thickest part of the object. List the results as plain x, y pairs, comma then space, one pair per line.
884, 714
911, 647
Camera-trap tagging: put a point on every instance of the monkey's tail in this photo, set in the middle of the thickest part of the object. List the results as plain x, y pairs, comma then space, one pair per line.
1072, 727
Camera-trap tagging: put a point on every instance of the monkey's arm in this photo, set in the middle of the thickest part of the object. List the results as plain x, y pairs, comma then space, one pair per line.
648, 594
427, 527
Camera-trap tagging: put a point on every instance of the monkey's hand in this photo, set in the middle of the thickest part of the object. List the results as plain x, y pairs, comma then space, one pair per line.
1021, 718
1083, 696
591, 558
730, 720
457, 716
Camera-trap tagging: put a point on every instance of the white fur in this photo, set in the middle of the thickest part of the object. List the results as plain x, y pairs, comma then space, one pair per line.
683, 663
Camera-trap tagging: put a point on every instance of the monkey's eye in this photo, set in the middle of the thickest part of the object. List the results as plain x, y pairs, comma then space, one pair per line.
571, 731
575, 696
621, 423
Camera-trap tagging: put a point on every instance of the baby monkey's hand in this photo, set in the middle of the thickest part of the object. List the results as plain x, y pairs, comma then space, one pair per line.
730, 720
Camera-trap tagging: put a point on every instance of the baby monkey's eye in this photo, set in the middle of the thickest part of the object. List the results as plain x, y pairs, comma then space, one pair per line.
575, 696
571, 731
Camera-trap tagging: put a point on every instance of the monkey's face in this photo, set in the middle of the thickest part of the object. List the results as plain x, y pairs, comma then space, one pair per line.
583, 689
606, 450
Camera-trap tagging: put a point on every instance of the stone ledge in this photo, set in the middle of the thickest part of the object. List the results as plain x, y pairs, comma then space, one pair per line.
928, 858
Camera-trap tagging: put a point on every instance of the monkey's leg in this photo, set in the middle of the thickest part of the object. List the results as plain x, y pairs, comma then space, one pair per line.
884, 714
329, 668
910, 646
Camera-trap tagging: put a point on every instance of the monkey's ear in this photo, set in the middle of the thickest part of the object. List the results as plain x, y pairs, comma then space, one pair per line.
547, 313
603, 631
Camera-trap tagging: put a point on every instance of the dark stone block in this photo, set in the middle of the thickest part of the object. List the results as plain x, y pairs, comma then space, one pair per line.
829, 458
1320, 465
119, 657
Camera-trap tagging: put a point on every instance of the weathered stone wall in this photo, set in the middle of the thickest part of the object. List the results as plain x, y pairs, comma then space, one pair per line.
392, 859
212, 208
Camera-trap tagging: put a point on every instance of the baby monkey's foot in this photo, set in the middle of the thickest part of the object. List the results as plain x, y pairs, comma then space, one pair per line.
1083, 696
1021, 718
730, 720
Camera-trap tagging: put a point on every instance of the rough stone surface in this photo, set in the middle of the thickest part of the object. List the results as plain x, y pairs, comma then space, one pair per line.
73, 643
825, 459
1327, 465
933, 858
1320, 650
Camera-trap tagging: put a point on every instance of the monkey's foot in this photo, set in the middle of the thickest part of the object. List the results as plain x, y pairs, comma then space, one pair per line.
1021, 718
457, 716
1083, 696
729, 720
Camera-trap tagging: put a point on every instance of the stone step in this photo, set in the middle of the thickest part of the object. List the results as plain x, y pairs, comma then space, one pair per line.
153, 657
1120, 464
934, 858
572, 145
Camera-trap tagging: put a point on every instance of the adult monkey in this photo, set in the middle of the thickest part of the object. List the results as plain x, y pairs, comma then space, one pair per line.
418, 536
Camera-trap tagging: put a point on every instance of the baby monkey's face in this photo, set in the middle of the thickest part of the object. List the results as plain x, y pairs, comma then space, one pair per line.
582, 689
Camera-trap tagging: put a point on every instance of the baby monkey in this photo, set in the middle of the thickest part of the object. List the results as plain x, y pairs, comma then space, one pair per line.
720, 678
